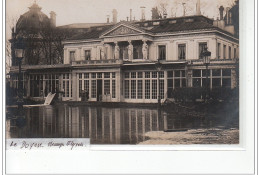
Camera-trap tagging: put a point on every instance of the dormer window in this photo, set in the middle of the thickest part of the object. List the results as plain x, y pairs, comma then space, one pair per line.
189, 20
145, 24
173, 21
156, 23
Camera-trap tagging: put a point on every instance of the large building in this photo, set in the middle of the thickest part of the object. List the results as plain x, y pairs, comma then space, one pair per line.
118, 62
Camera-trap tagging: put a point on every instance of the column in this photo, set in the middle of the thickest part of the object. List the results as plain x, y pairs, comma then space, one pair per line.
145, 50
117, 51
189, 78
130, 50
213, 48
28, 86
74, 88
191, 54
66, 56
102, 54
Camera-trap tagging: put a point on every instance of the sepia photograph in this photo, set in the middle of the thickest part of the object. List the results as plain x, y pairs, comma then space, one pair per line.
132, 72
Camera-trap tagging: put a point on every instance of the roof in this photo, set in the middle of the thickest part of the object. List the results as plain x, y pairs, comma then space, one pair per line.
33, 19
159, 26
91, 33
181, 27
82, 25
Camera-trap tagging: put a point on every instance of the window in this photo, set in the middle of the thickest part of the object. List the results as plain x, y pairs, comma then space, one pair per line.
127, 75
161, 88
86, 75
179, 78
154, 89
202, 48
147, 74
107, 75
87, 54
162, 52
229, 52
66, 82
133, 89
224, 51
140, 89
93, 75
140, 74
154, 74
113, 75
72, 55
197, 78
218, 51
133, 74
126, 88
80, 88
113, 88
106, 87
86, 85
217, 78
93, 89
235, 53
182, 51
147, 89
226, 72
99, 75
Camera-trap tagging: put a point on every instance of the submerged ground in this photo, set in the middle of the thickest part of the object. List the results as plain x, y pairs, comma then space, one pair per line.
176, 123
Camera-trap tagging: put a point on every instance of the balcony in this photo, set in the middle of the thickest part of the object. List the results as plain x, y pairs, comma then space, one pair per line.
97, 62
213, 61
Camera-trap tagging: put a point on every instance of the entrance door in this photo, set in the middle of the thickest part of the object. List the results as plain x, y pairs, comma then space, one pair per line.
99, 90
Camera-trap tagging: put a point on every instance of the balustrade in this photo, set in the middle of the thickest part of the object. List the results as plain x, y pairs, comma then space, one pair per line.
94, 62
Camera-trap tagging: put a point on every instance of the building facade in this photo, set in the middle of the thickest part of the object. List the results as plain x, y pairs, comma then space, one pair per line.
117, 62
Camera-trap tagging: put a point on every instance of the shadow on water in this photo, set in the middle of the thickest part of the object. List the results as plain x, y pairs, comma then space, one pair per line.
115, 125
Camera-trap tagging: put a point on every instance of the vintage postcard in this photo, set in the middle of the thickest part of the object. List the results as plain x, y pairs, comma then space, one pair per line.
155, 72
87, 77
143, 72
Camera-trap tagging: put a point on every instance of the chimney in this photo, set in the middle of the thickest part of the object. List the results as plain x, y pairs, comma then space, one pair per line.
227, 15
114, 16
142, 13
53, 18
107, 18
183, 4
164, 14
130, 14
221, 12
198, 12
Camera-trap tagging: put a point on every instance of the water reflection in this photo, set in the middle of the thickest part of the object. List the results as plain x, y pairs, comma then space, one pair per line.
106, 125
102, 125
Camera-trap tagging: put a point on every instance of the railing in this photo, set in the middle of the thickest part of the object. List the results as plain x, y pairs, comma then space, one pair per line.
97, 62
200, 61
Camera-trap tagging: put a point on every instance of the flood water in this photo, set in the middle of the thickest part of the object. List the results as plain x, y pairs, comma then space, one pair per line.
105, 125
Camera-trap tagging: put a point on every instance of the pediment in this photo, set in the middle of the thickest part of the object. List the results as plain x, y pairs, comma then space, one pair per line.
122, 30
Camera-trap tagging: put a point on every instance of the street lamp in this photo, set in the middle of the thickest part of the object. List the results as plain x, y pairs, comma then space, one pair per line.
158, 67
206, 60
19, 54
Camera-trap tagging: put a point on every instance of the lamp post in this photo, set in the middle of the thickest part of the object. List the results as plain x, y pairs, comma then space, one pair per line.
158, 67
19, 54
206, 60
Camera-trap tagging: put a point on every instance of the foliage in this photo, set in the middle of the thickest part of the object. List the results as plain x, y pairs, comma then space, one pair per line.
191, 93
